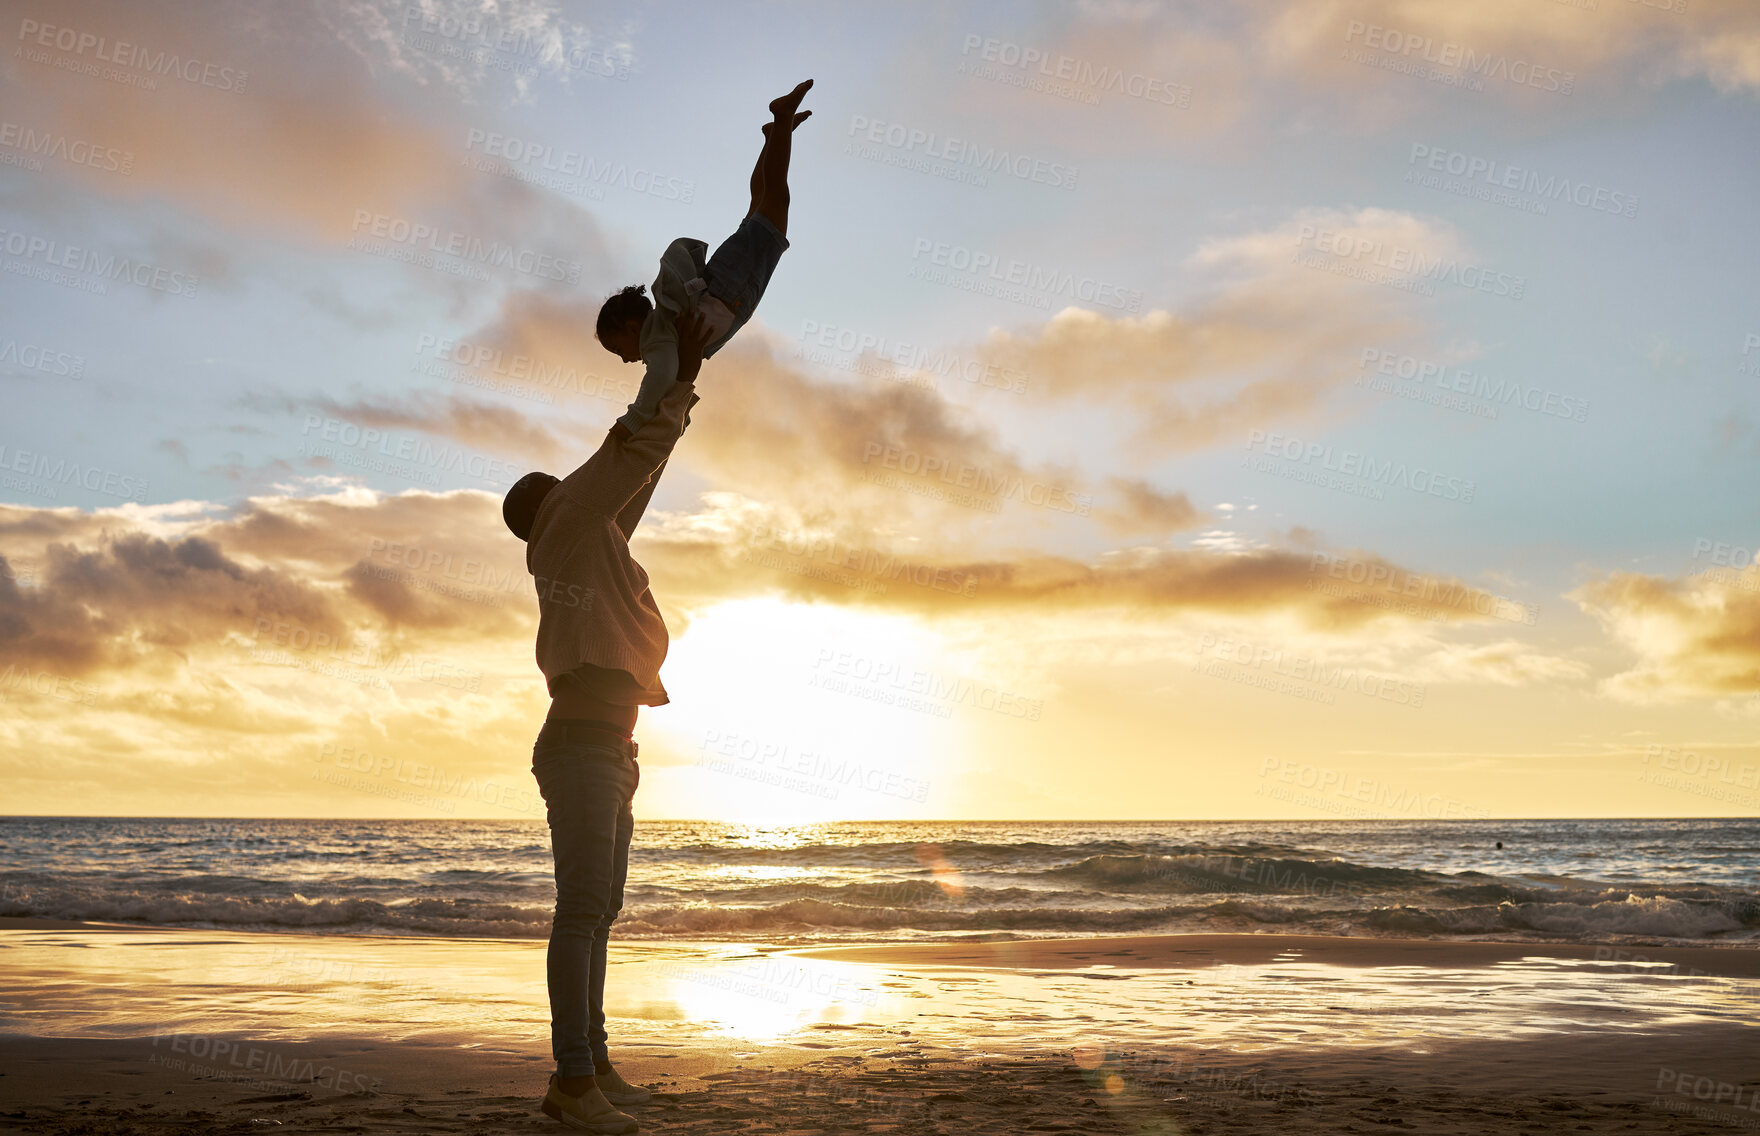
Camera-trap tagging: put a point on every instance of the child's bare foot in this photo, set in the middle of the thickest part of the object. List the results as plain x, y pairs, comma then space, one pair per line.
798, 119
785, 106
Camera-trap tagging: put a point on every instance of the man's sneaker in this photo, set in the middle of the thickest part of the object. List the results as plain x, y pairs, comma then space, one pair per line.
589, 1112
616, 1089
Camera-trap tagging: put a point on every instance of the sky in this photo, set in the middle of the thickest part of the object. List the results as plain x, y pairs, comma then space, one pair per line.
1329, 410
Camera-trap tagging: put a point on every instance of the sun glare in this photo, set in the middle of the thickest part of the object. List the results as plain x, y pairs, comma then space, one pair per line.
795, 713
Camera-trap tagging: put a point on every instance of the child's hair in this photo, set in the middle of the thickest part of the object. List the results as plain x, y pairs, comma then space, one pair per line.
628, 304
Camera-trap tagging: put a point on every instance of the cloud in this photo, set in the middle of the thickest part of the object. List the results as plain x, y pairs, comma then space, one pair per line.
862, 457
1143, 508
1606, 47
137, 600
464, 44
187, 649
1506, 662
438, 572
740, 546
1099, 77
292, 138
477, 423
1694, 636
1270, 342
355, 568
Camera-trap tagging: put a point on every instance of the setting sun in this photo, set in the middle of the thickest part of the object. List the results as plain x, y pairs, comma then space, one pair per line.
789, 712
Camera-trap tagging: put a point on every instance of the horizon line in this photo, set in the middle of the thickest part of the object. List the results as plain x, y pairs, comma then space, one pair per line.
896, 820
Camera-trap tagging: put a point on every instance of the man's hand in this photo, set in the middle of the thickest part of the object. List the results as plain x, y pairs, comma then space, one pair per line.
693, 336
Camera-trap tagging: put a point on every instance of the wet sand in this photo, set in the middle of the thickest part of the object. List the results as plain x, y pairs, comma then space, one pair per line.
133, 1030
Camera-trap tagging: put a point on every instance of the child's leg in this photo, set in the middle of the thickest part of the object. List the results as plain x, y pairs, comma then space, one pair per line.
770, 175
757, 168
758, 174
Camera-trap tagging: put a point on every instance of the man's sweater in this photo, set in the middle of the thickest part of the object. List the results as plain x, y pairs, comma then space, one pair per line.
594, 605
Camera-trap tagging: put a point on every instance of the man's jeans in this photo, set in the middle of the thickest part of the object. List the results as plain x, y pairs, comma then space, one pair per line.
587, 785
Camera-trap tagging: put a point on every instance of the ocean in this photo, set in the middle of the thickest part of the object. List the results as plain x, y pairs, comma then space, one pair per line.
1650, 881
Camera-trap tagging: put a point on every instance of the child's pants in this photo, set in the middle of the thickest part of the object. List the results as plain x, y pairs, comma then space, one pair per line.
739, 270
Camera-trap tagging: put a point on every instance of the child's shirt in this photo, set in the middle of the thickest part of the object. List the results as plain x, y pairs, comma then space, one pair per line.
679, 288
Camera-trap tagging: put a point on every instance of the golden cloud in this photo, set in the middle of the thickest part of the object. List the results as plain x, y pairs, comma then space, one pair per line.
1692, 637
284, 131
438, 572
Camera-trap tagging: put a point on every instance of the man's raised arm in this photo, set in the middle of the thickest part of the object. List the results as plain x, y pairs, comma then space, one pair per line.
623, 471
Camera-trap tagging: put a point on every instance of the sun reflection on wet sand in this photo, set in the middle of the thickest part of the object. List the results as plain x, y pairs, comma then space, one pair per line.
136, 983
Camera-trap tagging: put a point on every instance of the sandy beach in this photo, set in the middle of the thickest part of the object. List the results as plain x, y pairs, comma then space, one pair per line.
130, 1030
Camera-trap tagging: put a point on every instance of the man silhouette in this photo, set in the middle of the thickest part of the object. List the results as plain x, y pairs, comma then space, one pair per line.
601, 641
